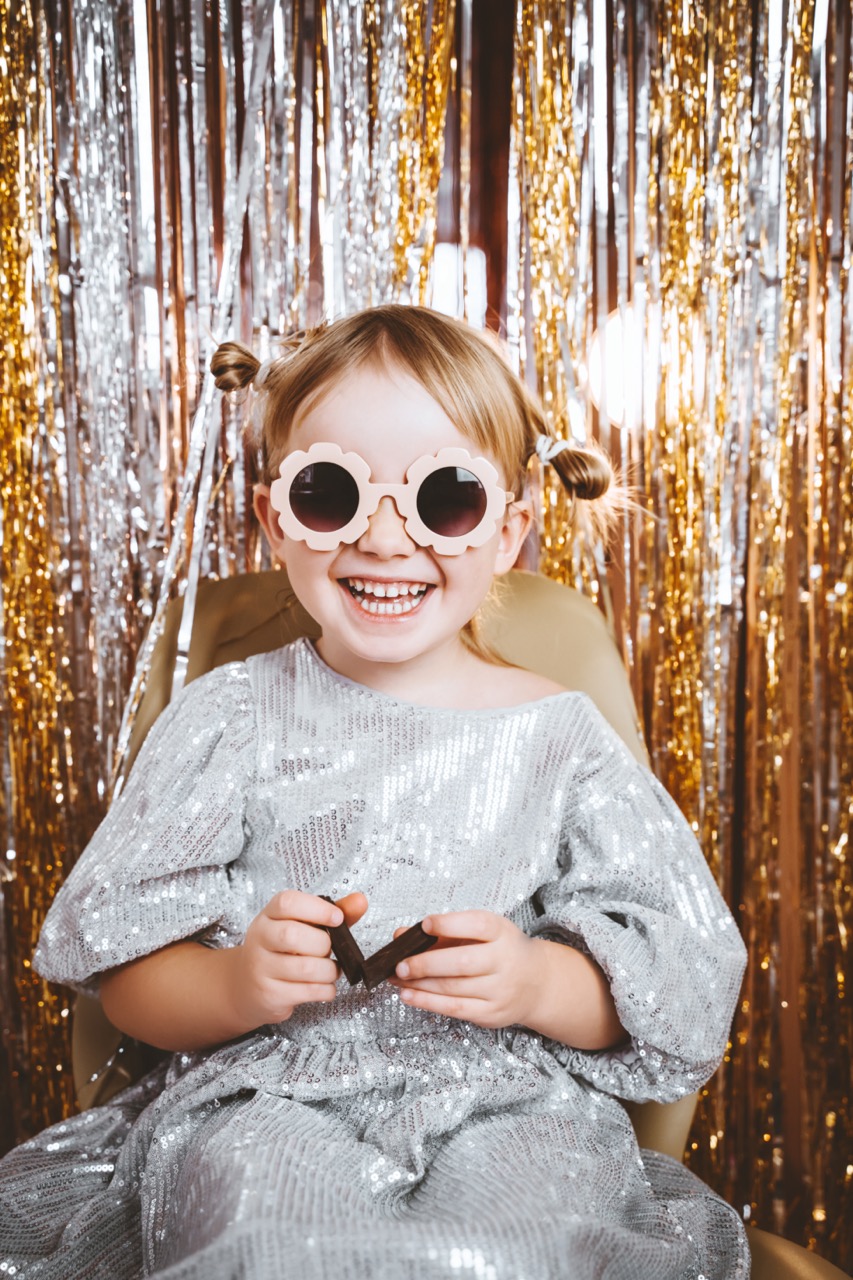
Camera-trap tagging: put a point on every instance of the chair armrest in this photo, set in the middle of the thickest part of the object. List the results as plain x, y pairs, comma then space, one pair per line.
104, 1061
663, 1126
775, 1258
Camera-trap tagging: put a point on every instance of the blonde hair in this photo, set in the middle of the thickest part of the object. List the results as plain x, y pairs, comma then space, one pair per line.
462, 369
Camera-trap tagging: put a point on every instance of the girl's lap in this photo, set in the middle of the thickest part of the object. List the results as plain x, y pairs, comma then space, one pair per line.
265, 1182
500, 1195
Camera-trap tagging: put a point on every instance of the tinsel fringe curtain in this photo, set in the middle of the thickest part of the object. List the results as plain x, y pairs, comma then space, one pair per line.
673, 274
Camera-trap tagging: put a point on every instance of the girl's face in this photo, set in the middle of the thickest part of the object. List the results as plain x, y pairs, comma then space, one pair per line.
390, 420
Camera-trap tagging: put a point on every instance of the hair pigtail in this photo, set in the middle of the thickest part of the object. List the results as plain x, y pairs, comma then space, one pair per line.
234, 366
586, 475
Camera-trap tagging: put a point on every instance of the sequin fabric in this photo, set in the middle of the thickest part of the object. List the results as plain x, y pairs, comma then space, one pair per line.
364, 1139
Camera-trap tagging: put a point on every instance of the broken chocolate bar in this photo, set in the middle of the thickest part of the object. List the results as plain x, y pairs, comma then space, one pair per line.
382, 964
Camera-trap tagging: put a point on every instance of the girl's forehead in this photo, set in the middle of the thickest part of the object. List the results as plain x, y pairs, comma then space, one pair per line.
369, 390
384, 414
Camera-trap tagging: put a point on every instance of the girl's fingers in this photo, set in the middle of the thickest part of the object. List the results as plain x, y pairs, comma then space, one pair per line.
292, 937
460, 1007
470, 988
304, 969
353, 906
291, 904
473, 926
310, 993
447, 962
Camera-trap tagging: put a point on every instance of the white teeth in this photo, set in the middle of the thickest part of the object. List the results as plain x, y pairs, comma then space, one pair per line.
386, 606
384, 597
386, 590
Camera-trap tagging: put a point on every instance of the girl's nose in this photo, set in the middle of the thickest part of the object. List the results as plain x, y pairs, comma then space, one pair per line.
386, 534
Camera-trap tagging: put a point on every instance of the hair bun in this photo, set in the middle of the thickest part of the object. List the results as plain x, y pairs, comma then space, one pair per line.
233, 365
584, 472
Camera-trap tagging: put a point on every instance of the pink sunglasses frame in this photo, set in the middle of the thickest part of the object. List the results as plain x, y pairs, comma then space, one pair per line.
404, 497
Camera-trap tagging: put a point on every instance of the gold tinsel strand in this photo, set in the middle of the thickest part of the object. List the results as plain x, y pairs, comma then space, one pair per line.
779, 730
35, 699
675, 462
429, 39
826, 1014
828, 1028
714, 1137
552, 318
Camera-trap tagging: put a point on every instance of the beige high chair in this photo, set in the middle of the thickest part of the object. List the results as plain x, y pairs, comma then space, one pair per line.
536, 623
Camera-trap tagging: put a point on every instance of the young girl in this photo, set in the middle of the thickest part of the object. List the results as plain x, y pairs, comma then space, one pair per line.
463, 1117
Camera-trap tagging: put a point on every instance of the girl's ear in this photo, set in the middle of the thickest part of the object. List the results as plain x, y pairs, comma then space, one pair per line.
268, 520
515, 528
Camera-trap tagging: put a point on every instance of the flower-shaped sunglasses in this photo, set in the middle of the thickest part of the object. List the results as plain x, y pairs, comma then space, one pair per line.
450, 501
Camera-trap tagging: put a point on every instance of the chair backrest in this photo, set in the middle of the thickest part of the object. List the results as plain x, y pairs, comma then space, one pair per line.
533, 622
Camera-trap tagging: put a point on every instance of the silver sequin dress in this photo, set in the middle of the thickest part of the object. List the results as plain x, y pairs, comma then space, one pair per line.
365, 1139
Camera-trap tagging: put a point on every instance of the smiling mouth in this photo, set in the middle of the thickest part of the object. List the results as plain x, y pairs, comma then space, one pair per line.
394, 598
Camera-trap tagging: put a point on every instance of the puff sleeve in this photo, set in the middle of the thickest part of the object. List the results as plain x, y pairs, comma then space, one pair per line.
162, 866
634, 892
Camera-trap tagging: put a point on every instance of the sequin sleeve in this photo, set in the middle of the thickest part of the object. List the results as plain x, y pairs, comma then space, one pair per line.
161, 866
636, 894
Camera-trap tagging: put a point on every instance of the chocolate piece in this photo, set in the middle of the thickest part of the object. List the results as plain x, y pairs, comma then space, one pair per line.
345, 949
382, 963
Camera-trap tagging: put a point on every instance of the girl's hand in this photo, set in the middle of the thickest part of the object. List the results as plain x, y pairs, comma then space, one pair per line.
484, 970
285, 959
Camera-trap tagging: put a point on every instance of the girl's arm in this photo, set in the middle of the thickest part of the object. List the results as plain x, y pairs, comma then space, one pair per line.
182, 997
188, 996
487, 971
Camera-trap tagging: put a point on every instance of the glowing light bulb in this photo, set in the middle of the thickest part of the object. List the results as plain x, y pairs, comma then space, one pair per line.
446, 280
635, 365
617, 354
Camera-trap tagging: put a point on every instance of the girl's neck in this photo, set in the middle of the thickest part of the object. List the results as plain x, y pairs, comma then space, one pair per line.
448, 676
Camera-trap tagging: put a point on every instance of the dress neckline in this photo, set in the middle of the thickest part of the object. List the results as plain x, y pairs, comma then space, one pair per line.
309, 646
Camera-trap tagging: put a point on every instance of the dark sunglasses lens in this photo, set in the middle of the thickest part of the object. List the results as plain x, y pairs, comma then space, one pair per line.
451, 502
324, 497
